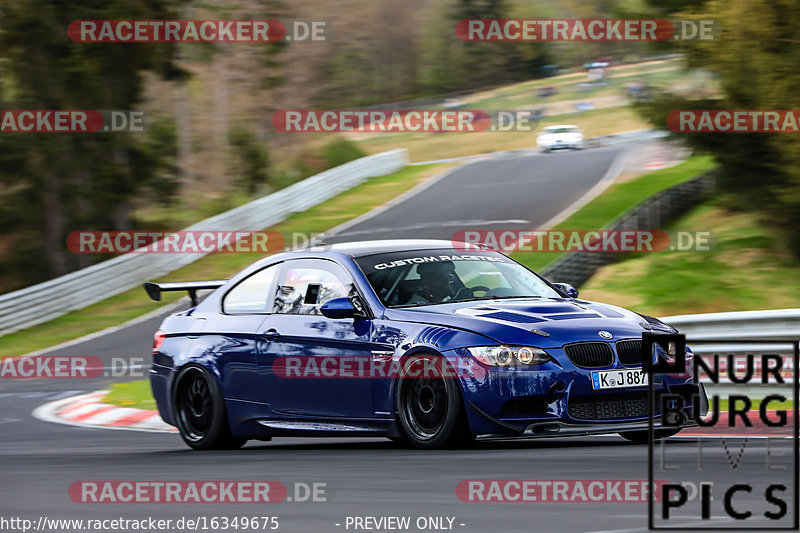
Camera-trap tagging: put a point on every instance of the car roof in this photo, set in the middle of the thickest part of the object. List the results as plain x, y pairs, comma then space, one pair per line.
560, 126
363, 248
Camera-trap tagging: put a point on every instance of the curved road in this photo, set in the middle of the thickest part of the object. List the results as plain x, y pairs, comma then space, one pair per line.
39, 461
507, 192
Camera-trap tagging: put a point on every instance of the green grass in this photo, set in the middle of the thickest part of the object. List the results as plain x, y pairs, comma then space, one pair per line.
128, 305
616, 200
749, 268
136, 394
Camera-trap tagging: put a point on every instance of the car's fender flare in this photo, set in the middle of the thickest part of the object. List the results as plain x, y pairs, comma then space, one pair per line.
195, 362
428, 350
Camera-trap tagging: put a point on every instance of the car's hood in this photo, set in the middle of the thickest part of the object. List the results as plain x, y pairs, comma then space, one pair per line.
546, 322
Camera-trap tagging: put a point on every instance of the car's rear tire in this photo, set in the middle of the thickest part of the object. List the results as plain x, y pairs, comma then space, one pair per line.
200, 412
640, 437
429, 408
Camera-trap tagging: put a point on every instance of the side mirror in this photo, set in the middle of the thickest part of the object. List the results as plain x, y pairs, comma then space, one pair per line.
567, 289
338, 308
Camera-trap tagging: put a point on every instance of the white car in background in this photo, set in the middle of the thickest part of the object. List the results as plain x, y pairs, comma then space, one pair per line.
560, 137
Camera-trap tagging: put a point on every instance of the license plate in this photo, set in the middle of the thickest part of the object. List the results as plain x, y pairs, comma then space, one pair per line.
615, 379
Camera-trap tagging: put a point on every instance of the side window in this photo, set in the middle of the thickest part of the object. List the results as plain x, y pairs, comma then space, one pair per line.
253, 294
306, 284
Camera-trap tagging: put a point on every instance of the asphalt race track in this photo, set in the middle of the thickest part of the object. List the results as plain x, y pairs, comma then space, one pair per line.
510, 192
39, 460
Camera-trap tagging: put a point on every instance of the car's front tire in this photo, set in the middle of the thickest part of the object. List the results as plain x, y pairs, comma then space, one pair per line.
640, 437
200, 411
429, 408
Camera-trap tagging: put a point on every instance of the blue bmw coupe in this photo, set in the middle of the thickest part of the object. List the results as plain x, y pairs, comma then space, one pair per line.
421, 341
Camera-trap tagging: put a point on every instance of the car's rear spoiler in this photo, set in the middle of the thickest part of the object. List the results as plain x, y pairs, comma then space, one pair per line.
154, 290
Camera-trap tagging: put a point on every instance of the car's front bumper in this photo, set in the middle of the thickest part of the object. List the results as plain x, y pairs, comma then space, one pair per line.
562, 426
558, 400
562, 146
562, 429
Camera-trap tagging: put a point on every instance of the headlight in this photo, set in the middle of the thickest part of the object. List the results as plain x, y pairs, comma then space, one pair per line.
509, 355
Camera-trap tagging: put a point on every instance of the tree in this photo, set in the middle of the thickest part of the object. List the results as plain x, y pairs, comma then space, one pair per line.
477, 64
54, 183
755, 61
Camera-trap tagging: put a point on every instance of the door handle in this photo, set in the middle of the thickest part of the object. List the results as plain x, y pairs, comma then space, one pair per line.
271, 334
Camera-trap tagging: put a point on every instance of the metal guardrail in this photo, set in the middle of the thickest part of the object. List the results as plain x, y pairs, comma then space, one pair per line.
51, 299
627, 137
763, 325
743, 326
576, 268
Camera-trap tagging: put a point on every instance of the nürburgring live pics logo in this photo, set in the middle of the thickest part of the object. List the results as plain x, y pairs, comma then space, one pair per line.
743, 474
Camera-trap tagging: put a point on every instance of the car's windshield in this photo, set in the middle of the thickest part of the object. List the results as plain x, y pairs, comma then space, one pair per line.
425, 277
561, 130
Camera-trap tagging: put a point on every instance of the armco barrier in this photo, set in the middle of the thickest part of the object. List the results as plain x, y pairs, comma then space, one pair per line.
576, 268
762, 325
777, 324
45, 301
